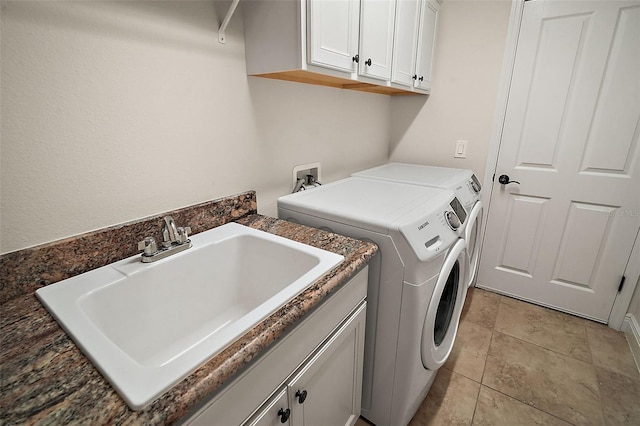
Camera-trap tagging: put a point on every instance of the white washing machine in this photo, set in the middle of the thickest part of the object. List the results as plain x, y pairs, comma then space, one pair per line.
417, 281
463, 182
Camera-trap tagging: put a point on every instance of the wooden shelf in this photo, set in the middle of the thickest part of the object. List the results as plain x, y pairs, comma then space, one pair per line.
302, 76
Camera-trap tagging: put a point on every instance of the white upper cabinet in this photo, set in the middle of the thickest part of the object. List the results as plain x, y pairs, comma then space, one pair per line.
405, 42
426, 40
413, 43
375, 46
376, 38
333, 34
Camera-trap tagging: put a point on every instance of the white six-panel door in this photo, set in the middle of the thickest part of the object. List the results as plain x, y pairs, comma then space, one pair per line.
563, 236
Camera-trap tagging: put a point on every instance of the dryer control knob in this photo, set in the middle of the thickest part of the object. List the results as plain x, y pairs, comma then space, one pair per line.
452, 220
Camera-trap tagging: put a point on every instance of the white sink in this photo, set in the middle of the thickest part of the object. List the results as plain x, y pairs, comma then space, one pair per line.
146, 326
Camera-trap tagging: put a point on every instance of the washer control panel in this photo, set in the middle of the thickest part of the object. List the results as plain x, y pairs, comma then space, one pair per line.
474, 184
436, 231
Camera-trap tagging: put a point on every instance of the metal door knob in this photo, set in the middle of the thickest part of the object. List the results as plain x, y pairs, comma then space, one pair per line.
301, 395
504, 180
284, 415
356, 59
368, 62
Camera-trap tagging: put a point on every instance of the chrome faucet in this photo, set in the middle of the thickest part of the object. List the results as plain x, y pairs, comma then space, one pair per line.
169, 232
174, 240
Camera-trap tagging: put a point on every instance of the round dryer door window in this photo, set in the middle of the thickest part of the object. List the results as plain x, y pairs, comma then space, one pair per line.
443, 314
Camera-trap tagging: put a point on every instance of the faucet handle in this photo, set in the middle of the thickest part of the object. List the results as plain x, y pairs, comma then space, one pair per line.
183, 234
149, 246
166, 239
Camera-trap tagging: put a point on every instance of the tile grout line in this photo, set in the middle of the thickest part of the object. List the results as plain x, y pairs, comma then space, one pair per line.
484, 369
590, 362
552, 351
593, 366
549, 349
528, 405
555, 352
484, 366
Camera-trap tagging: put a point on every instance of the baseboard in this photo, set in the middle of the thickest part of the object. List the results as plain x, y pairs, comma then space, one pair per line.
631, 328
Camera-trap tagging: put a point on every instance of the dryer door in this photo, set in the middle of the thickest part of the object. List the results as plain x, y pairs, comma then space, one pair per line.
472, 237
443, 314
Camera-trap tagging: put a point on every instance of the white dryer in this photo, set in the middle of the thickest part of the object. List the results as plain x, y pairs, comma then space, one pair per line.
463, 182
417, 281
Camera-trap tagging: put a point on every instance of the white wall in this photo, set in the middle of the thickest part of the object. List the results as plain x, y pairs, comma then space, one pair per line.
117, 111
470, 45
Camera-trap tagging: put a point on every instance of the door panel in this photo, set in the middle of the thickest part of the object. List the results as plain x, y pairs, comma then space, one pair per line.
333, 33
576, 244
563, 236
426, 39
405, 42
332, 379
523, 231
376, 38
554, 64
273, 413
617, 112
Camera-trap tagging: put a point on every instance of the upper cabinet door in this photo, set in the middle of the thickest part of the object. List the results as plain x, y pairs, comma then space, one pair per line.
333, 33
426, 39
376, 38
405, 42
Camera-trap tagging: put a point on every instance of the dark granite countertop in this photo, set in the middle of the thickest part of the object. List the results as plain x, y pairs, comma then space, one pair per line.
47, 380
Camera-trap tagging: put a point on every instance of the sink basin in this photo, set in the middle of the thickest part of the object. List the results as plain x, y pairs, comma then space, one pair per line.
146, 326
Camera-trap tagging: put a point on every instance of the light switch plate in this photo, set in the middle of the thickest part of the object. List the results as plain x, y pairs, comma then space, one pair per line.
461, 149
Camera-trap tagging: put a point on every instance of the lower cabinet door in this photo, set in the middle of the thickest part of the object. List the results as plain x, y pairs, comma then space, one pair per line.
327, 390
274, 413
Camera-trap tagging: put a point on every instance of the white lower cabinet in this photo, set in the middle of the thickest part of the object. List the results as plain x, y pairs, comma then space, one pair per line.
327, 388
274, 412
312, 376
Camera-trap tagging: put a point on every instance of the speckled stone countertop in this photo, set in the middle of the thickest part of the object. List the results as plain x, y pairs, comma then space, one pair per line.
45, 378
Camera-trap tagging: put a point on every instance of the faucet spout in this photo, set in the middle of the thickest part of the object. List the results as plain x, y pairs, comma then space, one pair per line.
169, 231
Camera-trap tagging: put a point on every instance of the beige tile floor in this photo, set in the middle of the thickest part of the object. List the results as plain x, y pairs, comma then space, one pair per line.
515, 363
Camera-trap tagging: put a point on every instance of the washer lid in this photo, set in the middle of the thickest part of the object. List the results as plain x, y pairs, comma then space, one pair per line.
372, 204
441, 177
462, 181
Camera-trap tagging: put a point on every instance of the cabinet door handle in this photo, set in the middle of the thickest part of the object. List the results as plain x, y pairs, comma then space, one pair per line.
421, 78
368, 62
415, 76
284, 415
356, 59
302, 396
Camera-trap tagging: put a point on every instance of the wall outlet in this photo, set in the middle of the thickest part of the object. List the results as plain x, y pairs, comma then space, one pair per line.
301, 172
461, 149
